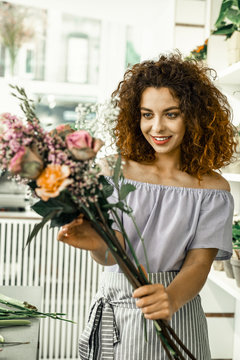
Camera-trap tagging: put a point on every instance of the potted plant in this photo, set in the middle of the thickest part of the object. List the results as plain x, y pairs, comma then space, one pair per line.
13, 30
228, 24
235, 260
199, 53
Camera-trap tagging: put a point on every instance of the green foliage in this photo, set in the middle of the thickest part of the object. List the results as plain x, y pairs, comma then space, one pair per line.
125, 190
40, 225
236, 235
228, 20
199, 53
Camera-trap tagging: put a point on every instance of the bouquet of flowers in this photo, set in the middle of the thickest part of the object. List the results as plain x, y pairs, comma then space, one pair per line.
59, 168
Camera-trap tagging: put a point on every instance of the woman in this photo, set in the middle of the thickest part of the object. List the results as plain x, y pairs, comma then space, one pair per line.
173, 132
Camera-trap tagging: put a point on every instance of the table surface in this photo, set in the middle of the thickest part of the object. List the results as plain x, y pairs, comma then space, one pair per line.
33, 295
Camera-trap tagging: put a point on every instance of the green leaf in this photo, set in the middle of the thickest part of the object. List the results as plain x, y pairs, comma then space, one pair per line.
117, 171
44, 208
227, 30
233, 15
32, 184
40, 225
238, 4
119, 205
108, 190
62, 202
222, 13
63, 219
125, 190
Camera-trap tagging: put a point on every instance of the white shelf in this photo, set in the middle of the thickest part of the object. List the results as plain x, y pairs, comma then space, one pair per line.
230, 75
231, 177
64, 90
229, 285
17, 215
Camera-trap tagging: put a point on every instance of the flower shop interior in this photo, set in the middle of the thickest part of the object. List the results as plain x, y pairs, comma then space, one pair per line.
71, 54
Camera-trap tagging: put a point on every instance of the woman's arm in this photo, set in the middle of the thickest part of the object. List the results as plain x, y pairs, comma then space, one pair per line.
80, 234
158, 302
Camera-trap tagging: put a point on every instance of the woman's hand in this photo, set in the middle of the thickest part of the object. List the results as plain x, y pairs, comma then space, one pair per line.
154, 302
80, 234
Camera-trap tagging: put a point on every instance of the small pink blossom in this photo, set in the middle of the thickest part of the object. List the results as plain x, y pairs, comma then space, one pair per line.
14, 145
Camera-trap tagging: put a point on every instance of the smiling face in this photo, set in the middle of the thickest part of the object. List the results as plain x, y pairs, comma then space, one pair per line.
162, 122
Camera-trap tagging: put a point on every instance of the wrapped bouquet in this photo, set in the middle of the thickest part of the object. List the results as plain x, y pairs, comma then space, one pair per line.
60, 169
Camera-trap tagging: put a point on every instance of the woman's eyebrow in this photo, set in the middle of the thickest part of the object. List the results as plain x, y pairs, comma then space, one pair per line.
143, 108
172, 108
167, 109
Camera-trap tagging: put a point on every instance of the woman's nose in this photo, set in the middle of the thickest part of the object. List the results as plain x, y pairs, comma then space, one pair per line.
158, 124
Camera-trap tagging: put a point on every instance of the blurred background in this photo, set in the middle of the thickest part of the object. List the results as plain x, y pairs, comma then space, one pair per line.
68, 52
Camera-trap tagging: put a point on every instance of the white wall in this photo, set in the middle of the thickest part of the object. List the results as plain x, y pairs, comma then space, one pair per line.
154, 19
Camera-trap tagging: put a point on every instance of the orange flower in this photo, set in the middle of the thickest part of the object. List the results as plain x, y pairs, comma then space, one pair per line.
52, 181
199, 48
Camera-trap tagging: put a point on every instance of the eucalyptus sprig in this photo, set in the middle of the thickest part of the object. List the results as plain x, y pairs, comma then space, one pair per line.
26, 104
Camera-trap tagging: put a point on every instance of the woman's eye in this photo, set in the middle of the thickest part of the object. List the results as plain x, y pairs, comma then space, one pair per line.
172, 115
147, 115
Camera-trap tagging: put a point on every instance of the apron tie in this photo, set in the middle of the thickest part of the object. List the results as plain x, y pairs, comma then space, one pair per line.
101, 314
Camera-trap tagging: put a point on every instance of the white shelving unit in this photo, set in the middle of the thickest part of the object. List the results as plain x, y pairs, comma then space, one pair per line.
230, 75
231, 177
218, 284
230, 287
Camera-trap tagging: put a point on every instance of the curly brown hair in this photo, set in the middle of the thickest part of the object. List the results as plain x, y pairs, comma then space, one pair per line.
209, 141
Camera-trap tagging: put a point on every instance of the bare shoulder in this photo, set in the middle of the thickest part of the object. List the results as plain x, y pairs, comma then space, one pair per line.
106, 164
215, 181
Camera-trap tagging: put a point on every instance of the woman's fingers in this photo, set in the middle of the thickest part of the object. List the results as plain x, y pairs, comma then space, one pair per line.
154, 302
148, 290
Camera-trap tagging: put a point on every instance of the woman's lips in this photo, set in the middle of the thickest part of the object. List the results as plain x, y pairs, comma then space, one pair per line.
161, 140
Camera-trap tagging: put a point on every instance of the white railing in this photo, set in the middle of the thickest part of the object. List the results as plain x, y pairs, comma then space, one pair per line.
68, 276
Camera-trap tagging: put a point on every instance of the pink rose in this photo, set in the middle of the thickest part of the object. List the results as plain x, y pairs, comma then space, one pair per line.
62, 130
82, 145
26, 163
80, 139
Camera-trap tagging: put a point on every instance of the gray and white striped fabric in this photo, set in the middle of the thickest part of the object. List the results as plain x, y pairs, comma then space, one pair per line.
115, 330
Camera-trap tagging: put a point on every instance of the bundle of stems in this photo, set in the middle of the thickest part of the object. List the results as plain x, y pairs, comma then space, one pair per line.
133, 272
18, 310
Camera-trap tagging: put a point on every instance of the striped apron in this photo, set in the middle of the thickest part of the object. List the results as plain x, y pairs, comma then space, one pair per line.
115, 329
